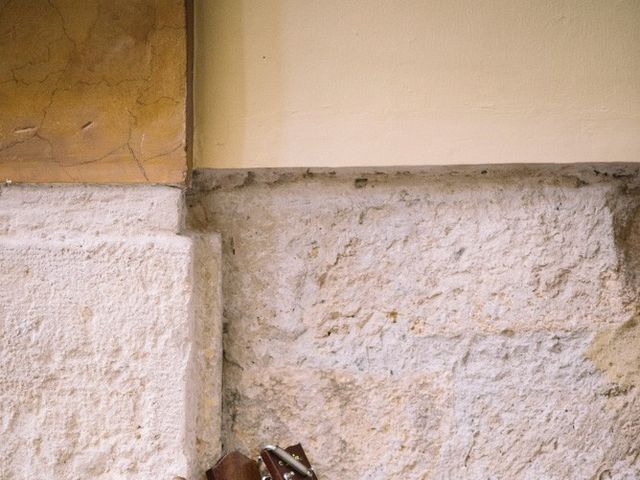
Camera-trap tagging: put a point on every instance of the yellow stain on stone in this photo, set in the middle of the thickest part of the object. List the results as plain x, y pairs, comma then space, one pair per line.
616, 352
93, 91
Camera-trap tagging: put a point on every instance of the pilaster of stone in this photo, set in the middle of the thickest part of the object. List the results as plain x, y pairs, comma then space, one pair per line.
111, 335
206, 373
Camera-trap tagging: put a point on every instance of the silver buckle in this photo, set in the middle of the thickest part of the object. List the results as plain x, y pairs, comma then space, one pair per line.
290, 460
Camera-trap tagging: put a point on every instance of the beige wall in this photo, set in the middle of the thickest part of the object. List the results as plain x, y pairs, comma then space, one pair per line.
372, 82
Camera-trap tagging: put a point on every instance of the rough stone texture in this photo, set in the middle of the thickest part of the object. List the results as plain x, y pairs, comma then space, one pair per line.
93, 91
110, 358
436, 324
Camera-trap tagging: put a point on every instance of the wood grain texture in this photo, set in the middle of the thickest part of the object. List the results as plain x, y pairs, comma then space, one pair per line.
93, 91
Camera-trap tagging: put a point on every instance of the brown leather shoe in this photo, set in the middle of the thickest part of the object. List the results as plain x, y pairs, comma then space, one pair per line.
234, 466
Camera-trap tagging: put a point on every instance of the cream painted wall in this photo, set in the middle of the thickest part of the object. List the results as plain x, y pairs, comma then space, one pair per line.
374, 82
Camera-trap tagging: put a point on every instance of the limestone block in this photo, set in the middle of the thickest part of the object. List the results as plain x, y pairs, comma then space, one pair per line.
336, 267
353, 425
56, 212
93, 91
505, 407
533, 407
106, 355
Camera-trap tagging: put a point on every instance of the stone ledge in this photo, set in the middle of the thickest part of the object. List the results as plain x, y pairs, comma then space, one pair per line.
83, 211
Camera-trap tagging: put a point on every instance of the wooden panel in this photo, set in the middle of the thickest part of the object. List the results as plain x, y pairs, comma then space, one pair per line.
93, 91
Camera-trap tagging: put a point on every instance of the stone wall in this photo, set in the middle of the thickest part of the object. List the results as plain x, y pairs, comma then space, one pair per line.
432, 324
110, 328
447, 323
